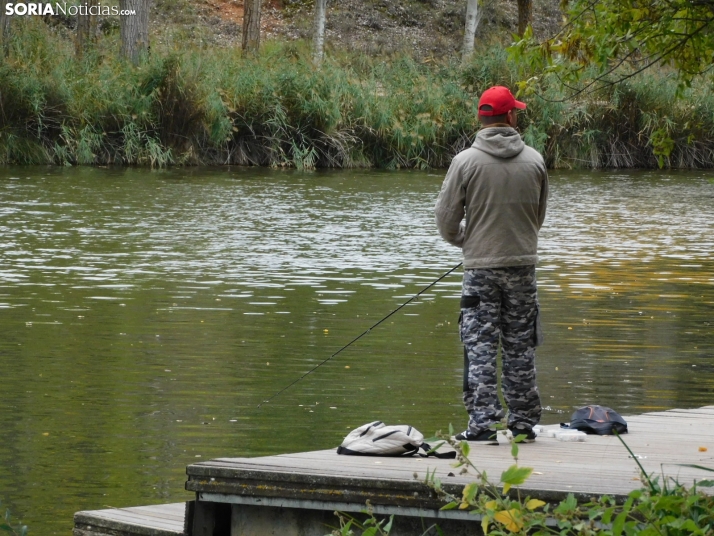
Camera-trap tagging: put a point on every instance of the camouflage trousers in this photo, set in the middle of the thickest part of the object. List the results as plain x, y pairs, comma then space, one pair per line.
500, 305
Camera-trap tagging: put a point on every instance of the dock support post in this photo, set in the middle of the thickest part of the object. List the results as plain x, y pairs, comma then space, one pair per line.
209, 519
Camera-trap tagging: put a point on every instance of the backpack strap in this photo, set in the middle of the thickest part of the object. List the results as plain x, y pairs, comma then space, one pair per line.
443, 455
409, 451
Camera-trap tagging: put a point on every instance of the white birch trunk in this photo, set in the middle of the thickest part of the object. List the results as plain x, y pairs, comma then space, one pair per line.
472, 18
319, 31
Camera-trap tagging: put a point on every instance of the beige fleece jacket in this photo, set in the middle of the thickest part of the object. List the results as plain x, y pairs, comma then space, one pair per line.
500, 187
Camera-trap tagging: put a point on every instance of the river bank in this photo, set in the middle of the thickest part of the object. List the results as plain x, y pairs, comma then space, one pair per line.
204, 106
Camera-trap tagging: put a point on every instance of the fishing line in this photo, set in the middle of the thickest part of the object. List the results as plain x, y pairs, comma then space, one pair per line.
313, 369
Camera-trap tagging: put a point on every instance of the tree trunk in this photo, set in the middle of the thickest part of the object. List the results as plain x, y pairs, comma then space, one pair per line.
319, 31
86, 28
134, 29
4, 28
525, 15
251, 26
472, 18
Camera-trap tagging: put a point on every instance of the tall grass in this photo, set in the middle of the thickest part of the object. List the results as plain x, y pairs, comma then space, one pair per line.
211, 106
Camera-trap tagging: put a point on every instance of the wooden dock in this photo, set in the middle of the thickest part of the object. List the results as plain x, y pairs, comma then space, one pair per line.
296, 494
160, 520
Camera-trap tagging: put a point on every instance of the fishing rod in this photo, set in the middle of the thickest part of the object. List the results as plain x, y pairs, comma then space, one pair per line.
313, 369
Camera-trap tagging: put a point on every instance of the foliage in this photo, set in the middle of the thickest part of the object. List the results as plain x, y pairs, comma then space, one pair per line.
10, 528
212, 106
662, 507
370, 527
606, 43
625, 37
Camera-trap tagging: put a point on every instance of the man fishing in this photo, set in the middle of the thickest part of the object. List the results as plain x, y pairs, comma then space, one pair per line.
492, 204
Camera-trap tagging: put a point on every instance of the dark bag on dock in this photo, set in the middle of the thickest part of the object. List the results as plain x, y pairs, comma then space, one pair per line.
378, 439
598, 420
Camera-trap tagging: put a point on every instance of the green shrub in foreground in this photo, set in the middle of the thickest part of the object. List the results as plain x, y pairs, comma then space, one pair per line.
662, 508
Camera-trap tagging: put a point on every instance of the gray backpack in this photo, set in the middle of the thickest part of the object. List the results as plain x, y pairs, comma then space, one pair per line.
378, 439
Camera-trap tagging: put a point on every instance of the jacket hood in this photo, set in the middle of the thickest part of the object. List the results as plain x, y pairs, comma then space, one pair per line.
503, 142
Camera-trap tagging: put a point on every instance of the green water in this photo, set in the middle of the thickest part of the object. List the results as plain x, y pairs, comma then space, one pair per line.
144, 315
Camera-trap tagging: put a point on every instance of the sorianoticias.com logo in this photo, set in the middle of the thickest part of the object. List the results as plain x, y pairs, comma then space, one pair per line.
22, 9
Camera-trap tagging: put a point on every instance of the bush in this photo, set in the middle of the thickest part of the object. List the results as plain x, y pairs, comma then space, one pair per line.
212, 106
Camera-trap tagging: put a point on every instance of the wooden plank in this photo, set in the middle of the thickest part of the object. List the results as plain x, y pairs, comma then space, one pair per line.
704, 410
160, 520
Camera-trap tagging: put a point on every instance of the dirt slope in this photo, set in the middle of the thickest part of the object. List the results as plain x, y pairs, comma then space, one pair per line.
422, 27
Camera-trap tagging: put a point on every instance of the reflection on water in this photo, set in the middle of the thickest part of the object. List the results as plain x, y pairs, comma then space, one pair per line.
146, 314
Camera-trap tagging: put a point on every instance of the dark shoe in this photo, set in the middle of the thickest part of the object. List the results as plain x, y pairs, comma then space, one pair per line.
529, 433
483, 435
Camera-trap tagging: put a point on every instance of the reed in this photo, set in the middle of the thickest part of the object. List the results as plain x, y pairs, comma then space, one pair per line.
203, 105
10, 527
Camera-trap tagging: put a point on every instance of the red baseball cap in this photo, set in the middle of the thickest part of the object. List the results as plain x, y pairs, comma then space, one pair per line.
500, 99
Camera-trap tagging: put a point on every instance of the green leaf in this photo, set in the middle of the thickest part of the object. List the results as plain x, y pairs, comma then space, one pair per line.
619, 524
705, 483
631, 528
469, 493
515, 475
465, 448
630, 500
607, 516
388, 526
450, 506
371, 531
565, 525
649, 531
694, 466
668, 503
567, 506
520, 438
434, 448
691, 527
514, 449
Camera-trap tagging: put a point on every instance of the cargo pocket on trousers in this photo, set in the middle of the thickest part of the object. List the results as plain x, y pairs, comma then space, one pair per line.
538, 328
467, 302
